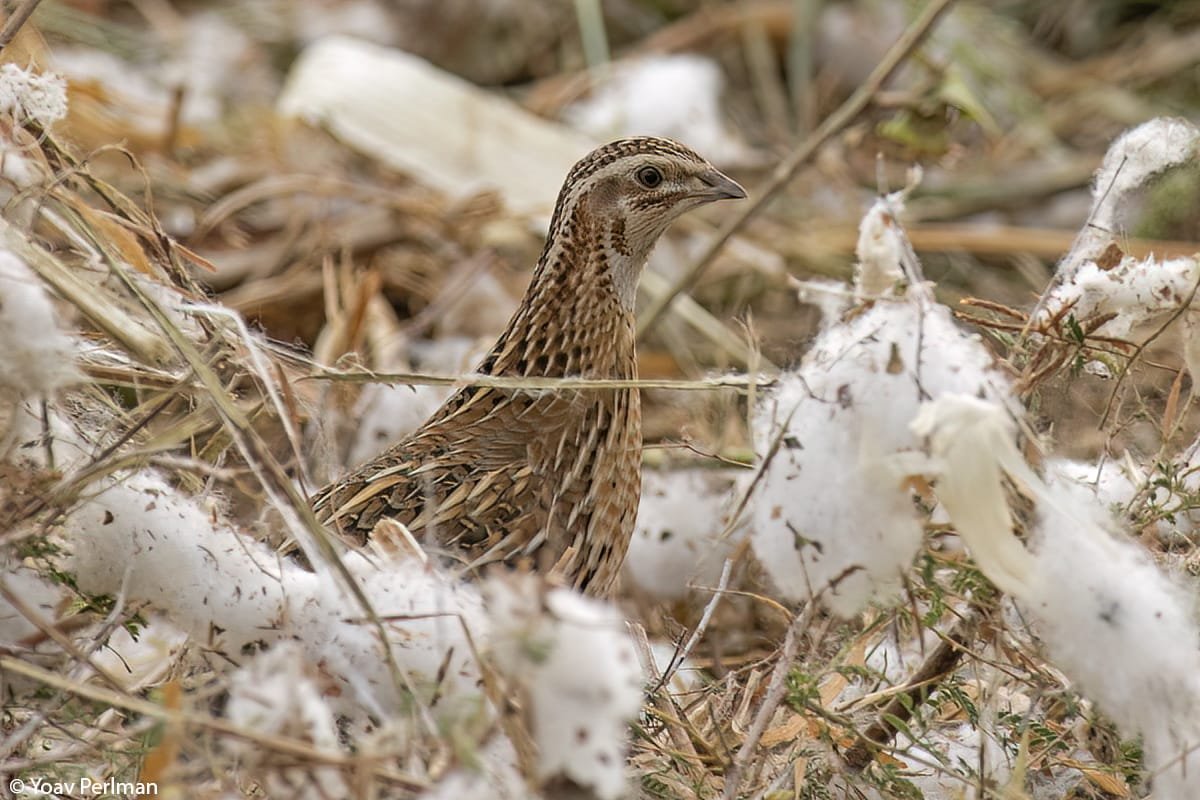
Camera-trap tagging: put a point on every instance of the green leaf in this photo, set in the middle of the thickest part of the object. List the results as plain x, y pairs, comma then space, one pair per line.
955, 91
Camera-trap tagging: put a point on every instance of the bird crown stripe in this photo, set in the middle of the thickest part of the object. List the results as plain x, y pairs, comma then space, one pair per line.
625, 148
599, 159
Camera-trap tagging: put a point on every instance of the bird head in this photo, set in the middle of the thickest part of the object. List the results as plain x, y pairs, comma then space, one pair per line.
619, 199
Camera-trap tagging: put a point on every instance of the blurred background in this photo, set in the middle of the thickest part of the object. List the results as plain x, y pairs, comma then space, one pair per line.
309, 177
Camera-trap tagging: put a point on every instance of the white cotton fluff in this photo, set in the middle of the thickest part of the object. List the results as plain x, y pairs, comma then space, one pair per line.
1133, 159
215, 64
890, 658
46, 599
960, 747
387, 413
29, 443
1186, 471
137, 96
972, 442
229, 592
426, 613
494, 775
36, 357
886, 260
1133, 290
1111, 481
365, 19
225, 591
218, 64
685, 676
277, 693
1191, 342
142, 660
677, 542
832, 516
18, 172
1110, 619
1116, 625
25, 94
831, 298
677, 96
881, 251
18, 635
1116, 483
1136, 156
575, 660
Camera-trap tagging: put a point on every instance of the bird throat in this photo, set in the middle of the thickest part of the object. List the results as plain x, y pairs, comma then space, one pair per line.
576, 319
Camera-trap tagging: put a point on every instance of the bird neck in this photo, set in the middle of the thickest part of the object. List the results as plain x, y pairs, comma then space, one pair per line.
576, 318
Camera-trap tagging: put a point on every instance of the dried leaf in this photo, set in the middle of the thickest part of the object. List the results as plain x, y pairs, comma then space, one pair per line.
1104, 780
792, 729
1111, 257
164, 754
1172, 408
123, 241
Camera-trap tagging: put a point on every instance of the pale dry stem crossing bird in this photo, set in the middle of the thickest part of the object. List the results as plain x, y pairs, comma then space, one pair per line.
546, 478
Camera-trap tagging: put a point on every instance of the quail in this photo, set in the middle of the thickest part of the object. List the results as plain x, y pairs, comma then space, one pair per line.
548, 478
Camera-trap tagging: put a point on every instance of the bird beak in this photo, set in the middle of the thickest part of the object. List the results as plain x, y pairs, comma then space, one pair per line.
717, 185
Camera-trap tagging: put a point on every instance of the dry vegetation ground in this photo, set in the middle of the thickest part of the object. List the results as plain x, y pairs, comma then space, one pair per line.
172, 179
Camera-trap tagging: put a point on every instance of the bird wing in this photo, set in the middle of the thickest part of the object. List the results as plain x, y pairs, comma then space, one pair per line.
465, 478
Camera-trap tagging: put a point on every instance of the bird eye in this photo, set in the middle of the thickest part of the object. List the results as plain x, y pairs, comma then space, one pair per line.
649, 177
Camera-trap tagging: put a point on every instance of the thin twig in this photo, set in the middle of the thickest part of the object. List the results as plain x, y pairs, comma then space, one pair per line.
727, 568
19, 17
776, 690
279, 744
259, 363
1176, 314
281, 490
98, 307
114, 618
661, 700
682, 655
51, 631
938, 664
787, 169
740, 382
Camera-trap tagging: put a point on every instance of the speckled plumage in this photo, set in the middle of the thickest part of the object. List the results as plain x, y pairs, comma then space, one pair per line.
550, 478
